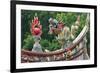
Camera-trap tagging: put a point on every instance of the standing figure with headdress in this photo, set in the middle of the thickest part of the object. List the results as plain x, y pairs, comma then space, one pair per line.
75, 27
82, 44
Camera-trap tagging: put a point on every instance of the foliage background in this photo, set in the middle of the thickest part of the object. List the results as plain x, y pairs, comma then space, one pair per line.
48, 41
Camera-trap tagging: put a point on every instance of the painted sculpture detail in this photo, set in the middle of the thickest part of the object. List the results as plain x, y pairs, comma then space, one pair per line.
36, 30
63, 34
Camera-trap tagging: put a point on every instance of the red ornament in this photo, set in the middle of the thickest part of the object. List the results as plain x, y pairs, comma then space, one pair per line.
36, 28
37, 31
